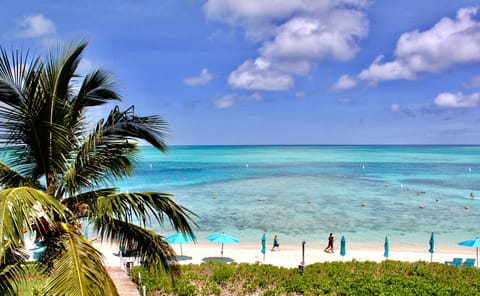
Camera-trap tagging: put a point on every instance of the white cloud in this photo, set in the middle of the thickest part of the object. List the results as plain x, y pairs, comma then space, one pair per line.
344, 101
457, 100
474, 82
449, 42
387, 71
204, 78
300, 94
253, 97
345, 82
395, 107
231, 100
294, 36
259, 18
35, 26
259, 75
307, 38
224, 102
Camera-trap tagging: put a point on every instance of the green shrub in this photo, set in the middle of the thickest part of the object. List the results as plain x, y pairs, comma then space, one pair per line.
222, 273
185, 288
330, 278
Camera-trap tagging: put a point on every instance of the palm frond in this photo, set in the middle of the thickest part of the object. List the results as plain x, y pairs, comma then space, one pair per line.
107, 155
11, 275
19, 85
11, 178
80, 204
148, 246
12, 272
127, 125
141, 207
78, 269
97, 89
67, 68
52, 136
98, 161
22, 209
18, 73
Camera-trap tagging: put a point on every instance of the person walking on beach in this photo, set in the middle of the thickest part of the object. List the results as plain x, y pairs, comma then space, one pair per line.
329, 248
276, 245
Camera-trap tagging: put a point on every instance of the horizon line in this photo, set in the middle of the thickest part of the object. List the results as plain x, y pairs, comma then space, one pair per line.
317, 145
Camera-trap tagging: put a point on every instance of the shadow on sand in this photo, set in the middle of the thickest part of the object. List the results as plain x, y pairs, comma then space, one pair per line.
180, 258
217, 259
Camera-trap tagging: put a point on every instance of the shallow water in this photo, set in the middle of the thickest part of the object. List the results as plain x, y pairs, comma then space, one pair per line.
306, 192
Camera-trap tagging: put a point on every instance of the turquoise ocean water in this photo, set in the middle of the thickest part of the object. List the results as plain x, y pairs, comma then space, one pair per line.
305, 192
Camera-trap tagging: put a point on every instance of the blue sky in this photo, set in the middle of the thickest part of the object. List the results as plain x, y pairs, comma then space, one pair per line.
275, 71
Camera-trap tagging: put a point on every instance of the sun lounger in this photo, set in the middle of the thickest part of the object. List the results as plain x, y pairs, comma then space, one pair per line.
36, 253
455, 262
469, 262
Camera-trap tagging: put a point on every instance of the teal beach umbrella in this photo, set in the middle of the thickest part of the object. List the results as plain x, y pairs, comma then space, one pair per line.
223, 239
343, 246
432, 246
179, 238
473, 243
264, 245
385, 253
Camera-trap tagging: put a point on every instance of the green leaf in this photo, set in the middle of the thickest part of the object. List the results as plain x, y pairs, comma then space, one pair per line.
78, 269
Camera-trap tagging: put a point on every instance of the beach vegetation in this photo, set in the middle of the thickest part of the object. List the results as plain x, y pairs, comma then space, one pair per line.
58, 170
329, 278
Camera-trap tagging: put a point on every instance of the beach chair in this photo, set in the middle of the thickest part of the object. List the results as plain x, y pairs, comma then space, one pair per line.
455, 262
469, 262
36, 253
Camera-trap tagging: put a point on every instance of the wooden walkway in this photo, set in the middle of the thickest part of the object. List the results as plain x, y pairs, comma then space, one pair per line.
125, 286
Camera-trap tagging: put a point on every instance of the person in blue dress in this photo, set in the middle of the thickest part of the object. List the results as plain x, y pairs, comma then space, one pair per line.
276, 245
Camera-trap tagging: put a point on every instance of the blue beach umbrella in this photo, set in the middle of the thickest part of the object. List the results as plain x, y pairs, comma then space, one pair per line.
343, 246
264, 245
432, 246
385, 253
179, 238
473, 243
223, 239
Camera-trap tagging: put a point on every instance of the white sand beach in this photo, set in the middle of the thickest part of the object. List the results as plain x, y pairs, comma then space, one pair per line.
291, 256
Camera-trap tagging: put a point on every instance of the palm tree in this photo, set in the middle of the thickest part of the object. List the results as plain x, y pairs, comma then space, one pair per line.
57, 172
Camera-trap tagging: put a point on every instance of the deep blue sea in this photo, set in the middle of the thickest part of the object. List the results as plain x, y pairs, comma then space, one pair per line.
305, 192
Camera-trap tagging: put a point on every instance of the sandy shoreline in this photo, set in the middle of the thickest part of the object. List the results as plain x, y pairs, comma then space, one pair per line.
291, 256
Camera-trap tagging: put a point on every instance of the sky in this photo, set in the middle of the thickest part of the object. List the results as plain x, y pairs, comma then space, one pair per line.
268, 72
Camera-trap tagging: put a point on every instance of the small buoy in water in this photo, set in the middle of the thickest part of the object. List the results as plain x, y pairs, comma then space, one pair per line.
465, 207
214, 197
260, 199
436, 199
421, 206
309, 202
363, 205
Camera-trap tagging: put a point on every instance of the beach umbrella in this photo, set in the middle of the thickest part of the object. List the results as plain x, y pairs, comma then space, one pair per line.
432, 246
385, 253
179, 238
223, 239
343, 246
473, 243
264, 245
